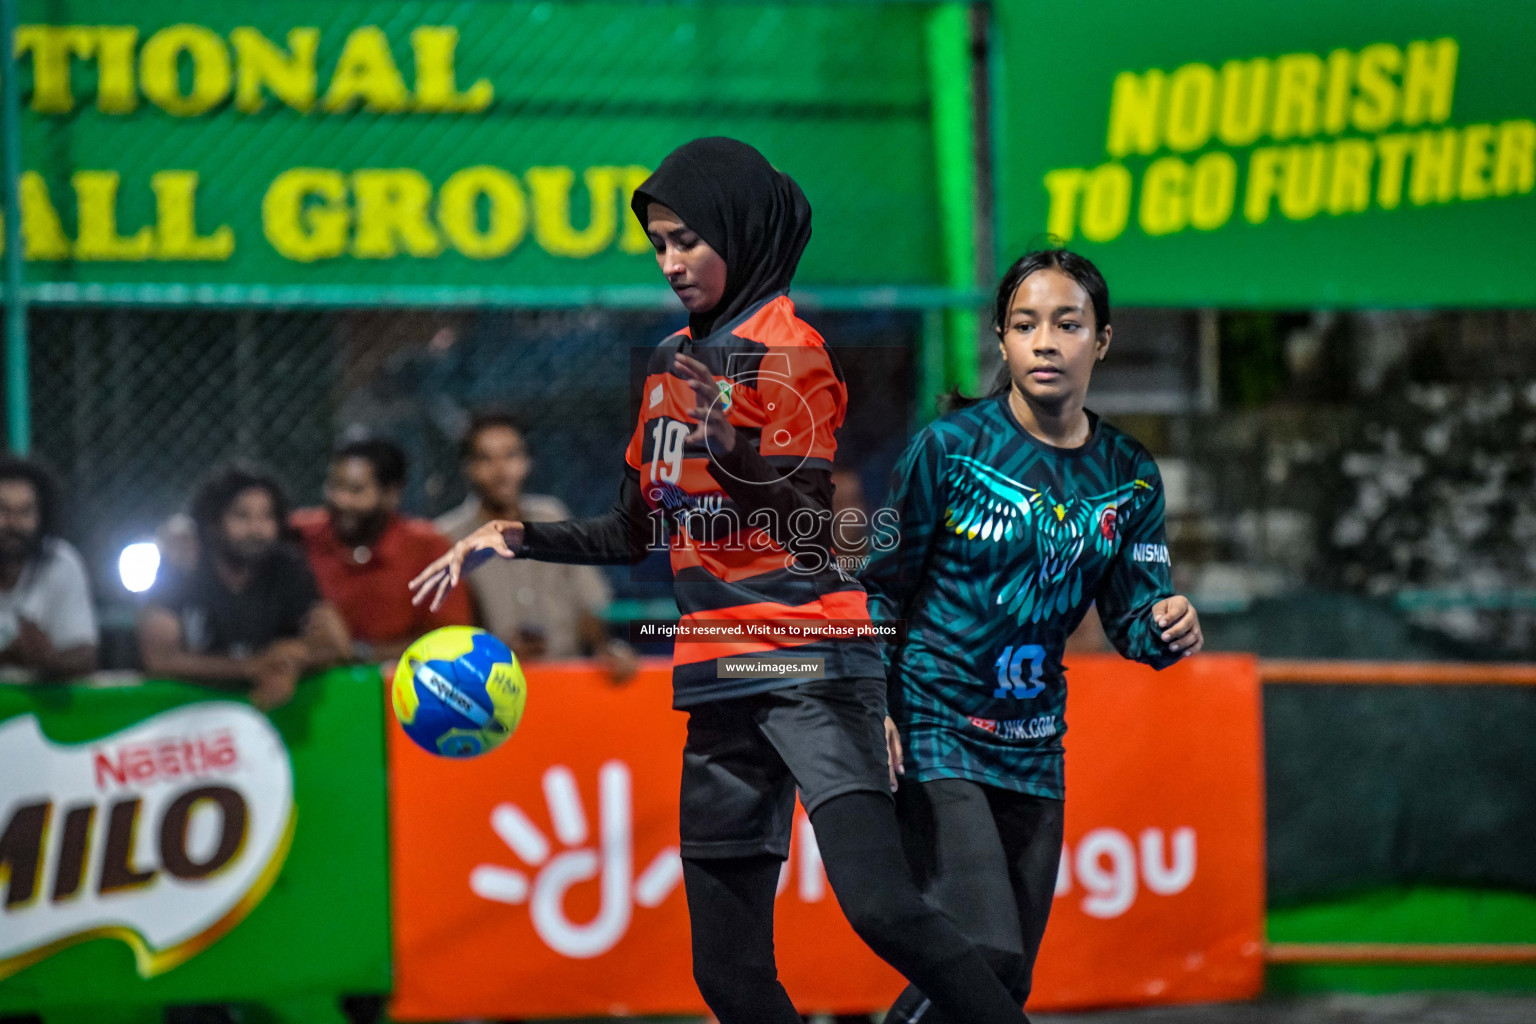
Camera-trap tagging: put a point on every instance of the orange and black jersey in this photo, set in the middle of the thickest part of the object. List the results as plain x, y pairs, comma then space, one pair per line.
750, 529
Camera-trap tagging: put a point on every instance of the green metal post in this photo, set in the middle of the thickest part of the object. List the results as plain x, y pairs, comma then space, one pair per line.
18, 402
954, 136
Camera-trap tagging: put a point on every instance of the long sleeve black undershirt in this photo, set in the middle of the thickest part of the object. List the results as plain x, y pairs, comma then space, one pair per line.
798, 505
620, 536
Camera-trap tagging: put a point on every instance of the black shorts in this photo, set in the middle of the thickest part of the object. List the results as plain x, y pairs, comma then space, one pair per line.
746, 756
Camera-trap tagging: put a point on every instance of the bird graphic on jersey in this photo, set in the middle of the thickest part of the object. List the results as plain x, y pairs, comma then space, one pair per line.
1000, 545
993, 506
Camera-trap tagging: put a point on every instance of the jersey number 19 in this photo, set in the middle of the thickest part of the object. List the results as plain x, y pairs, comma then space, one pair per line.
667, 450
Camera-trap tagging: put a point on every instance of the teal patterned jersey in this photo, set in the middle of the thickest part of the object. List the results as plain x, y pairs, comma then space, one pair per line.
1000, 543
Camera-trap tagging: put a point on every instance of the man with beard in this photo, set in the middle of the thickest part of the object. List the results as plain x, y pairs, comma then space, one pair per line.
47, 624
249, 610
363, 551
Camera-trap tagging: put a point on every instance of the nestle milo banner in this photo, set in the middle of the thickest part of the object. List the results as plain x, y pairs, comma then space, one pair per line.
162, 844
471, 145
1208, 153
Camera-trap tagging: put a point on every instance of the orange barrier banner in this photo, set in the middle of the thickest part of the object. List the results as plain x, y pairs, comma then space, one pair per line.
1160, 895
543, 878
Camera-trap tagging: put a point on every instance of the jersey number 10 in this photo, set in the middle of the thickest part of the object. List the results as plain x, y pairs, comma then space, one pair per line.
1010, 672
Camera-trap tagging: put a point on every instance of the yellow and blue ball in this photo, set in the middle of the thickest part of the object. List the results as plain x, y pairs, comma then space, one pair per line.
459, 692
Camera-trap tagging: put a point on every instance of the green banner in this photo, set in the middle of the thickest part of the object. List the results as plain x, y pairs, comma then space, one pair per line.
480, 147
163, 844
1208, 153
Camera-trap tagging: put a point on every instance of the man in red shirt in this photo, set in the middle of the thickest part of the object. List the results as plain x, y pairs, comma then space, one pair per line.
363, 551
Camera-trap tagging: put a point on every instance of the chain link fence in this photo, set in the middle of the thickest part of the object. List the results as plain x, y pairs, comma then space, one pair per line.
1423, 501
133, 406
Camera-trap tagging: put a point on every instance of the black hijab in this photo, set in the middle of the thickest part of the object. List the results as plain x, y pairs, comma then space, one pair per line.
755, 217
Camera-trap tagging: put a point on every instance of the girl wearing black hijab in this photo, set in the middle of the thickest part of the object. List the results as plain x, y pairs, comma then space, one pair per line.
731, 462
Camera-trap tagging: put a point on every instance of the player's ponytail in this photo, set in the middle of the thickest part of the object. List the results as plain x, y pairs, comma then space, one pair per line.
1078, 268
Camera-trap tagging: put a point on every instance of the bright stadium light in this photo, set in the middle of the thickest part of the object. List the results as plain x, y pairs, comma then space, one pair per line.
138, 564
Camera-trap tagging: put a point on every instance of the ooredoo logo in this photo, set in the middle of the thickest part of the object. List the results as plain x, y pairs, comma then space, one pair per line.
610, 859
1106, 865
164, 835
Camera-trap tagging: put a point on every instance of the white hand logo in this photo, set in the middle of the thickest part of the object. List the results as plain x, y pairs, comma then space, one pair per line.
613, 859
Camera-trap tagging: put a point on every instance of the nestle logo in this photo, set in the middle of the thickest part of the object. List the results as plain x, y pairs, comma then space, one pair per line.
163, 835
165, 760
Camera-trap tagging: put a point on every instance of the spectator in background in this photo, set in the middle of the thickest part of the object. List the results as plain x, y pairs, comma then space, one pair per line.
47, 623
249, 610
539, 609
363, 551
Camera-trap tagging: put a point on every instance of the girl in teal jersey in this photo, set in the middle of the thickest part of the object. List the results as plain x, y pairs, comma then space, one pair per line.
1016, 513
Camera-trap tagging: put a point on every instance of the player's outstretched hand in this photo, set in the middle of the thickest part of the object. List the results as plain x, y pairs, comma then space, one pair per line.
1180, 626
893, 749
497, 537
714, 427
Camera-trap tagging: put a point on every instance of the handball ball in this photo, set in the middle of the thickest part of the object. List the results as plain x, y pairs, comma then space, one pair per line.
459, 692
